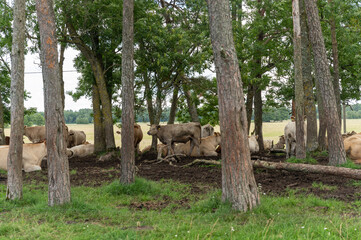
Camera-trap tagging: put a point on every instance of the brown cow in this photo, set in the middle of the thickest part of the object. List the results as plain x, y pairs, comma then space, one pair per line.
207, 146
76, 138
138, 136
161, 149
177, 133
35, 134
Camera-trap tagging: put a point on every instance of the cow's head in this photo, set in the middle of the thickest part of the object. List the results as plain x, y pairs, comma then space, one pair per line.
153, 129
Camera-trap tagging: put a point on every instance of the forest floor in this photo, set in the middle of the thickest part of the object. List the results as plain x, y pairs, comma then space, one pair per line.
202, 178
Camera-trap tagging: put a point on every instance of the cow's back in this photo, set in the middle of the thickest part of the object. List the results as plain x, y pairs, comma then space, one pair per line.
35, 134
4, 150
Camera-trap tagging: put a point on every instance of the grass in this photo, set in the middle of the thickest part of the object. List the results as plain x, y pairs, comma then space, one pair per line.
308, 160
322, 186
109, 212
350, 164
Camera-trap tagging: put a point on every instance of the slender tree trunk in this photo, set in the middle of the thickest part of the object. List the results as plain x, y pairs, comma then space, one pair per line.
99, 138
322, 119
300, 131
173, 107
309, 101
2, 133
258, 117
249, 106
61, 65
238, 182
127, 150
151, 111
336, 149
191, 106
336, 72
344, 118
15, 156
58, 166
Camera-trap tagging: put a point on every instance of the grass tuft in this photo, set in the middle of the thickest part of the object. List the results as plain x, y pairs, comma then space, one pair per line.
307, 160
350, 164
139, 187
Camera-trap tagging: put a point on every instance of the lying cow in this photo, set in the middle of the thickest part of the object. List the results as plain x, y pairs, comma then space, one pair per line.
75, 138
35, 134
353, 148
290, 137
207, 146
177, 133
33, 154
207, 130
162, 150
268, 144
82, 150
281, 143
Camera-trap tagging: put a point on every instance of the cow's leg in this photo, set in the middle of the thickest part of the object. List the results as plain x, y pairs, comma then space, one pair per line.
287, 147
193, 142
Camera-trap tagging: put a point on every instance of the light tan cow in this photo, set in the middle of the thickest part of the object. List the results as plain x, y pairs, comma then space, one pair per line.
35, 134
161, 149
207, 130
207, 147
268, 144
281, 143
82, 150
33, 154
76, 138
353, 148
253, 143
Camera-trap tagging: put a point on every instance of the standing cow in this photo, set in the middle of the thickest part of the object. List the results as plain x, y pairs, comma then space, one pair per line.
178, 133
290, 138
76, 138
138, 137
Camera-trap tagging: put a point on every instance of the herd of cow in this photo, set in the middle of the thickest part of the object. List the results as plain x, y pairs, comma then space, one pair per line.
190, 139
33, 153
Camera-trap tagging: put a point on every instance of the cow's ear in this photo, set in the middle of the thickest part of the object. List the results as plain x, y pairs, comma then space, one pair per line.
158, 126
24, 127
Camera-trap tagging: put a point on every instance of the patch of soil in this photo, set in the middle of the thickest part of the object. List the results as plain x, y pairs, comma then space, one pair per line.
90, 172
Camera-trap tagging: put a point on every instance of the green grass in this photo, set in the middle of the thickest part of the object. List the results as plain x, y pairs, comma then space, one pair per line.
322, 186
350, 164
114, 212
308, 160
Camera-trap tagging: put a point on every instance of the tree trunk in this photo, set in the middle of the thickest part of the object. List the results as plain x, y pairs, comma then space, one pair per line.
100, 80
249, 106
191, 106
258, 117
2, 132
58, 166
344, 118
151, 111
238, 182
173, 107
309, 100
300, 131
336, 149
336, 72
15, 156
127, 150
322, 119
61, 65
99, 134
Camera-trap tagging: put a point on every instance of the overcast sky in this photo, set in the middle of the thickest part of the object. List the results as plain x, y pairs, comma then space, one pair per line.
34, 82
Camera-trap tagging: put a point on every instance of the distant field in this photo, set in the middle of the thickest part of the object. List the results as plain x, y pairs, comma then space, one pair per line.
270, 131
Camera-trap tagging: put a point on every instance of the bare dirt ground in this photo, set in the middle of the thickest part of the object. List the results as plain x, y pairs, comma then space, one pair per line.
90, 172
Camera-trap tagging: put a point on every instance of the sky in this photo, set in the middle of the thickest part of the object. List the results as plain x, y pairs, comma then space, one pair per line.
34, 82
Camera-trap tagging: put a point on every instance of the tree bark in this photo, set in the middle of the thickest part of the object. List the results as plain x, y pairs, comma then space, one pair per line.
238, 182
344, 118
99, 134
127, 150
249, 106
336, 72
173, 107
300, 131
258, 117
58, 166
309, 100
61, 65
336, 151
293, 167
191, 106
15, 156
2, 133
